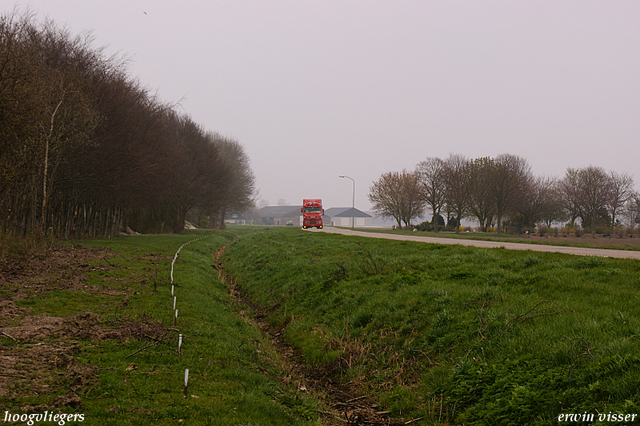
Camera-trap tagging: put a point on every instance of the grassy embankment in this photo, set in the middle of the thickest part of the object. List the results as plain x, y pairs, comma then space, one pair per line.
455, 334
121, 360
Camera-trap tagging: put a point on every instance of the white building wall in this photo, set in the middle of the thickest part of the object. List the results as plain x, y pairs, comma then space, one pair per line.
340, 221
346, 221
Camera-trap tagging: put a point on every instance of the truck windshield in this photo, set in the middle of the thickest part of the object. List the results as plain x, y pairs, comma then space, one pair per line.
313, 209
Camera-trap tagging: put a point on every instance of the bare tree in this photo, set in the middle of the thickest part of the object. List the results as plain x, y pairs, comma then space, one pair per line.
480, 205
631, 211
586, 193
238, 192
397, 195
551, 207
46, 110
431, 177
570, 194
510, 175
86, 150
456, 182
541, 202
621, 190
594, 185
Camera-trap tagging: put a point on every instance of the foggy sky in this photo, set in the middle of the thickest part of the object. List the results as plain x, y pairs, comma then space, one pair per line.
318, 89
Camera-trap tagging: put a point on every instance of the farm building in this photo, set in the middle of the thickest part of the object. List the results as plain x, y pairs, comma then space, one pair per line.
344, 216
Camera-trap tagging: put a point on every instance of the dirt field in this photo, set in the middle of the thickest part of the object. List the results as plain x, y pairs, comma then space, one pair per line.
37, 352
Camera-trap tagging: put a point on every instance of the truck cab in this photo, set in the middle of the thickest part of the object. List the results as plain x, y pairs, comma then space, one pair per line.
312, 213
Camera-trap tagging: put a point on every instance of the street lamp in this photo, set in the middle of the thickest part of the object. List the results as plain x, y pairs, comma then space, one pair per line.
353, 204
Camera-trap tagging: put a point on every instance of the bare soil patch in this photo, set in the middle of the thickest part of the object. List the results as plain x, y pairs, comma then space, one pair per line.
38, 352
59, 269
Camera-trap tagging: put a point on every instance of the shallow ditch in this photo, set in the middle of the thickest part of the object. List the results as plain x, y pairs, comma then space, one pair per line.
343, 403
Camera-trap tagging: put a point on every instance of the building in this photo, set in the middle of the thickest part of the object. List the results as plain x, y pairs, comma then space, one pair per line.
235, 219
344, 216
291, 215
280, 215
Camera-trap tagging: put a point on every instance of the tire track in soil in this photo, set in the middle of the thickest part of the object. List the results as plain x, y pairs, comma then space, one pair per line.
345, 406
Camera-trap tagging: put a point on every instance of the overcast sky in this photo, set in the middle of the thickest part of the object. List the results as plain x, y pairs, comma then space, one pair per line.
318, 89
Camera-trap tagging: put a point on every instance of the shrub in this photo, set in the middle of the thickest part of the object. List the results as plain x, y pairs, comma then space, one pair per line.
579, 231
11, 246
542, 230
424, 226
528, 231
604, 230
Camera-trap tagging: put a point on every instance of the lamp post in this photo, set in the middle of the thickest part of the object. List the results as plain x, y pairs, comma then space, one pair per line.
353, 204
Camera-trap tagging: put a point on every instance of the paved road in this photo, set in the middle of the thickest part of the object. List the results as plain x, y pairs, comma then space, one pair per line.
581, 251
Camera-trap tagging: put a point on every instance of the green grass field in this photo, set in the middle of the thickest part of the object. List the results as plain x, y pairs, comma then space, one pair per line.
449, 334
457, 335
137, 378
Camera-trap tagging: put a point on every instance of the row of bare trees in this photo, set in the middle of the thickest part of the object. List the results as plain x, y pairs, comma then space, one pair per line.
85, 150
495, 191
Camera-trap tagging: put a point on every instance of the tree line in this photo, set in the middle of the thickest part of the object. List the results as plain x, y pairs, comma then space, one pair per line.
503, 192
85, 150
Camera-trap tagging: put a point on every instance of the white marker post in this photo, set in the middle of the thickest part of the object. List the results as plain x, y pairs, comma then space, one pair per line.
172, 289
186, 381
174, 303
175, 321
180, 344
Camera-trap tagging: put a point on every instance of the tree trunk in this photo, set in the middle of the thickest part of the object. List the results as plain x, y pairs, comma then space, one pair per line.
222, 224
434, 219
179, 225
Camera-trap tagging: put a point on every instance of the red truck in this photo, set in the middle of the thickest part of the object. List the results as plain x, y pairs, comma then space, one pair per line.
312, 213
